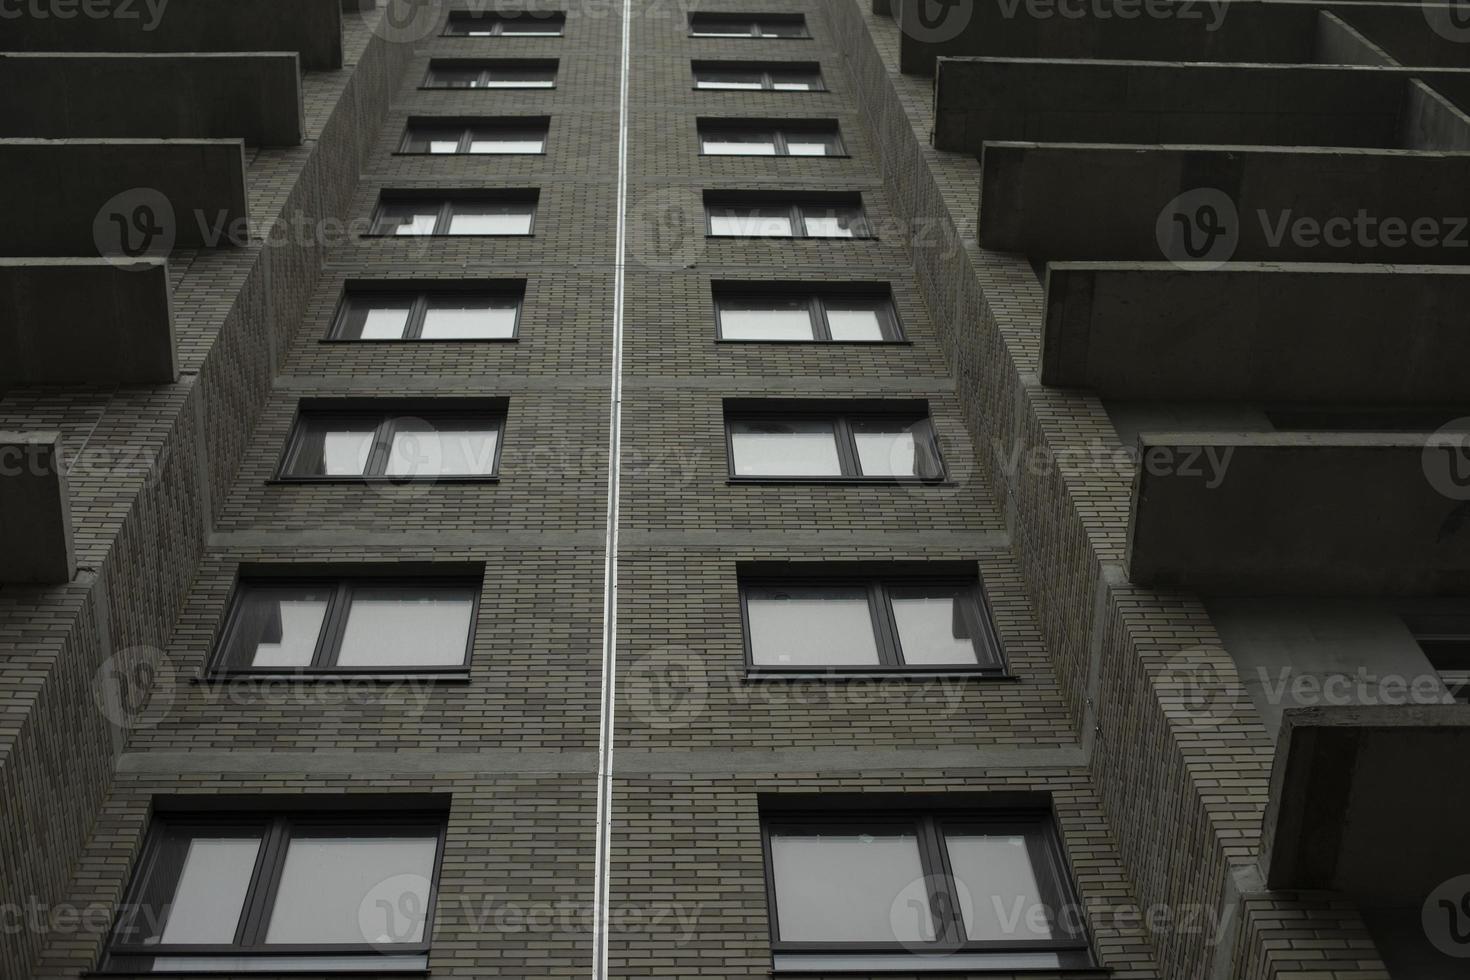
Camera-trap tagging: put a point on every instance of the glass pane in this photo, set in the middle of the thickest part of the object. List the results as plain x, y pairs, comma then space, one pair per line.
715, 78
751, 222
933, 628
490, 219
808, 146
850, 888
810, 627
353, 890
740, 144
794, 82
406, 219
723, 27
489, 141
206, 904
531, 23
785, 449
890, 449
855, 322
277, 627
470, 319
394, 627
519, 78
765, 320
832, 222
448, 449
453, 77
424, 140
332, 447
783, 28
444, 146
1005, 900
383, 320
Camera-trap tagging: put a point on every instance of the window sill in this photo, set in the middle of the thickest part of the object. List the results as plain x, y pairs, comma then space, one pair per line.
425, 340
788, 238
451, 156
244, 964
748, 37
836, 481
766, 674
767, 91
453, 678
775, 156
488, 88
375, 481
415, 238
805, 964
816, 343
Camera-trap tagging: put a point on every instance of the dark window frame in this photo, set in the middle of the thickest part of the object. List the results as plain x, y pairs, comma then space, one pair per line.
537, 126
990, 657
1055, 881
1444, 639
780, 131
754, 21
497, 20
842, 419
490, 410
796, 213
485, 68
446, 212
334, 624
817, 302
420, 300
275, 829
769, 74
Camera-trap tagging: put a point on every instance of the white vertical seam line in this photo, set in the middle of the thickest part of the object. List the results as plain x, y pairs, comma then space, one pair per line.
606, 728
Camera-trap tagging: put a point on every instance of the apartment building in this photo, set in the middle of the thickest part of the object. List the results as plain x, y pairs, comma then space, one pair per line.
746, 488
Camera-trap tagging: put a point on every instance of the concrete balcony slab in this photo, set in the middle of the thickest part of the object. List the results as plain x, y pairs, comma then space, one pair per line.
35, 520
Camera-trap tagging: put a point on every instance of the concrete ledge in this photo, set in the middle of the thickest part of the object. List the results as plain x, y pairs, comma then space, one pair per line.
35, 520
1420, 35
188, 187
255, 97
311, 28
85, 321
1300, 513
980, 99
1369, 801
1043, 200
1307, 332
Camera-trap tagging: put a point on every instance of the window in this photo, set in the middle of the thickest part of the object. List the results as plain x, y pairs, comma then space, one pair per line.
861, 623
777, 216
519, 23
400, 216
491, 74
814, 443
426, 442
247, 892
791, 316
768, 138
356, 625
448, 315
449, 136
777, 77
748, 25
1445, 640
933, 888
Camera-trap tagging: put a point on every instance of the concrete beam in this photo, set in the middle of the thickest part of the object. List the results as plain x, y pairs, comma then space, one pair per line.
35, 520
1427, 35
1369, 801
1262, 332
121, 197
1052, 101
255, 97
310, 28
85, 321
1300, 204
1301, 513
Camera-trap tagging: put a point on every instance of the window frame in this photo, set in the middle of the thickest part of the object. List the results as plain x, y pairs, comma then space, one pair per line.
817, 301
990, 657
468, 128
768, 72
493, 410
419, 301
847, 453
780, 132
1435, 629
498, 19
755, 21
930, 824
274, 828
446, 213
328, 649
485, 68
796, 209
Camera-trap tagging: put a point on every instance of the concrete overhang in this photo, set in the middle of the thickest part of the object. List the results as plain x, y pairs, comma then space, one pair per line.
1048, 100
35, 520
311, 28
1302, 204
1301, 513
1424, 35
85, 321
255, 96
1262, 332
1369, 801
120, 197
